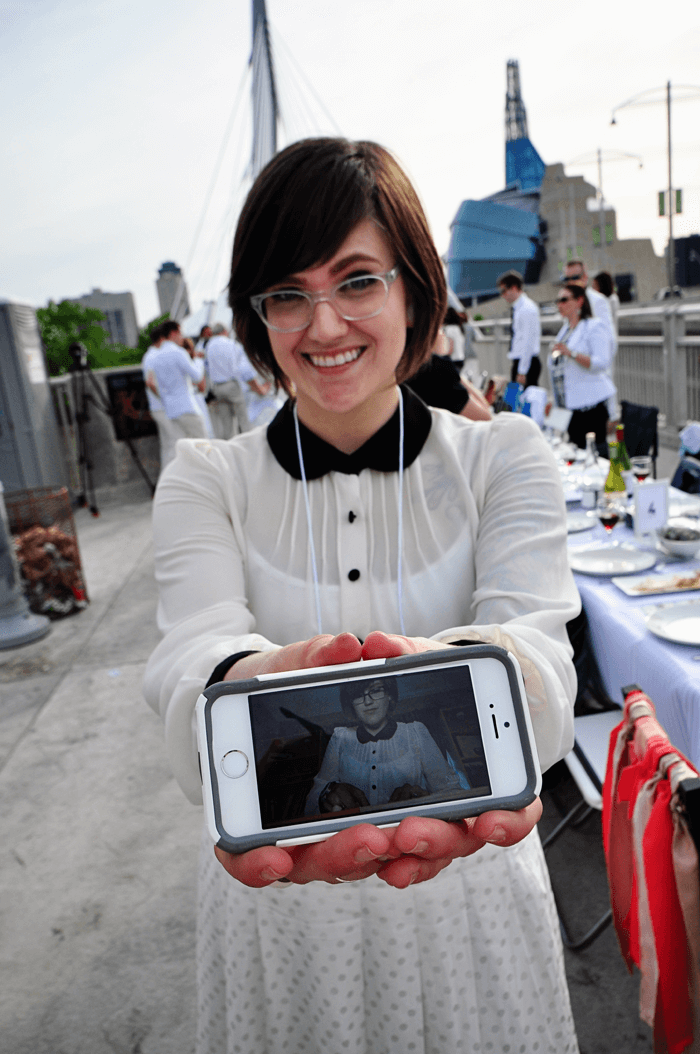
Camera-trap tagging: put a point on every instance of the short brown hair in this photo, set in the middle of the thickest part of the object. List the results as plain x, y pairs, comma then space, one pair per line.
299, 212
510, 280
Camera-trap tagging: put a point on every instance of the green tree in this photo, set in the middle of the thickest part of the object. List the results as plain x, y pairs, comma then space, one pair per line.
63, 324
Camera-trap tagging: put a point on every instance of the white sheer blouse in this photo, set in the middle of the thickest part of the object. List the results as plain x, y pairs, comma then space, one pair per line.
484, 557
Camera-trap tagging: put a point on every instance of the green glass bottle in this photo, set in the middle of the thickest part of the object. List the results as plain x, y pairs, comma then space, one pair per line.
622, 449
623, 458
615, 483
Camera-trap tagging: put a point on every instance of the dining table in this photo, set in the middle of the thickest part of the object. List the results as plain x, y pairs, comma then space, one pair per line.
626, 649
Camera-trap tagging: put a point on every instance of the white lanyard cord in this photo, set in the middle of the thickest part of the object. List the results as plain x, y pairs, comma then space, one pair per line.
314, 571
305, 488
399, 541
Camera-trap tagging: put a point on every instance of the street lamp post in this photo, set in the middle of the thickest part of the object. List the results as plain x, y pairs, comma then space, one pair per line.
643, 99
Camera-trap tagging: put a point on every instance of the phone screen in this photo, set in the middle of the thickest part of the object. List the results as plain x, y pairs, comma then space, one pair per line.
370, 743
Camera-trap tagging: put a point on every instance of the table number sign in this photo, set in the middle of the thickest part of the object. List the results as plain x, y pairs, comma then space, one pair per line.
650, 506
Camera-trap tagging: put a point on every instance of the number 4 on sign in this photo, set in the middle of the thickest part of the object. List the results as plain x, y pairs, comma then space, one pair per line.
651, 506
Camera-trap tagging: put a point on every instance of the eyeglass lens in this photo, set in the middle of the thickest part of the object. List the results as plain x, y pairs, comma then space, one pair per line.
358, 298
375, 692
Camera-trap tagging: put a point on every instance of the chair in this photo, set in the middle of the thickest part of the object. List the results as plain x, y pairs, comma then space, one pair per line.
687, 475
586, 763
650, 837
641, 430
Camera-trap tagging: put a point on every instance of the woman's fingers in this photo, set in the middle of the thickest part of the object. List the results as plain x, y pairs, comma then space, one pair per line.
427, 846
323, 650
507, 828
351, 854
257, 868
380, 645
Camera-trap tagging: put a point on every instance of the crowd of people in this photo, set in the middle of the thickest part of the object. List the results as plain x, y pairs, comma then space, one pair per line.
581, 359
185, 379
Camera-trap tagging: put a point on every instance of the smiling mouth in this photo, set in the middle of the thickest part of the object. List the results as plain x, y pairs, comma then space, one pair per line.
342, 358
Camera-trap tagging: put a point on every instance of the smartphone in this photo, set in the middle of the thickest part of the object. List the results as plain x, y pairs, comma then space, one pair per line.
292, 758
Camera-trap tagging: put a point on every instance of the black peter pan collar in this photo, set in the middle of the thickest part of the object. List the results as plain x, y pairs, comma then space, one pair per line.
380, 452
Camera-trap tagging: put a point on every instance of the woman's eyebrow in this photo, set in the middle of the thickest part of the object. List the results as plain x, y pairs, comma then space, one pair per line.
340, 265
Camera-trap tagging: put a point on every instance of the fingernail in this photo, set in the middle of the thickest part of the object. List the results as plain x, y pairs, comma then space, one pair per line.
413, 878
498, 836
364, 855
419, 847
268, 875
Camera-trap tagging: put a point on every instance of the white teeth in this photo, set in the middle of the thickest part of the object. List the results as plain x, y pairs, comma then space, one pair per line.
336, 360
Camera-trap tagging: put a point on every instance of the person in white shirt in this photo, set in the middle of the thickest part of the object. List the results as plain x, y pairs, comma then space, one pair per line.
230, 374
579, 367
341, 305
526, 330
575, 271
167, 436
174, 373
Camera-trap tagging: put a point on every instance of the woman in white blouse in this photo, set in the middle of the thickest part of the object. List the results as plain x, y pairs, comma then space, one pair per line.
578, 366
283, 549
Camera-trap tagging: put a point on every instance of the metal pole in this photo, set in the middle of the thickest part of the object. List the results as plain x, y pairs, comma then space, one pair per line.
671, 250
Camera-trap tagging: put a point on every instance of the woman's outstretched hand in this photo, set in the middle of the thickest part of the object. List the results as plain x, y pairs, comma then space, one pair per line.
415, 851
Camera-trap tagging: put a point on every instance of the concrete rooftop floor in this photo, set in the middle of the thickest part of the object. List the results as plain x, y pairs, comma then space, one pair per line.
98, 846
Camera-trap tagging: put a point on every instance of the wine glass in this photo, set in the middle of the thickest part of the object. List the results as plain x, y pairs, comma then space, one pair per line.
610, 509
641, 467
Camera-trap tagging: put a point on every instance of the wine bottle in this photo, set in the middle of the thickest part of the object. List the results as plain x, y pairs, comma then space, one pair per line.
615, 484
592, 481
623, 458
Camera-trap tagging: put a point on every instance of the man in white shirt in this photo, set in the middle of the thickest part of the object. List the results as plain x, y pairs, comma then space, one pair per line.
167, 435
230, 373
173, 372
526, 330
575, 271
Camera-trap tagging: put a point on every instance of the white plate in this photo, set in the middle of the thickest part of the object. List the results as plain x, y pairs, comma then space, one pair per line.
611, 560
677, 622
648, 585
580, 521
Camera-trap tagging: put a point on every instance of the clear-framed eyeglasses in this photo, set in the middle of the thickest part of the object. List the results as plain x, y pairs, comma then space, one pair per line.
355, 299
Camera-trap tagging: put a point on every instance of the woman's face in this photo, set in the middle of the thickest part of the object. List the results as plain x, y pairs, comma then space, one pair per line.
569, 306
341, 368
372, 707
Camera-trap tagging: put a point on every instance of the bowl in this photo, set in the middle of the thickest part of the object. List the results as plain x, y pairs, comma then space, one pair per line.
678, 539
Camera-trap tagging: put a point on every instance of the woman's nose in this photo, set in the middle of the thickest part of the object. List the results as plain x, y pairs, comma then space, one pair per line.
326, 324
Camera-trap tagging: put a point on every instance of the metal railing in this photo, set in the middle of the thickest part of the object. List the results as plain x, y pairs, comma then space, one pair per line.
657, 362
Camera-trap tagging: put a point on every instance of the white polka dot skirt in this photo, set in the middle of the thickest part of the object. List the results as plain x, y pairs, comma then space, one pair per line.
470, 961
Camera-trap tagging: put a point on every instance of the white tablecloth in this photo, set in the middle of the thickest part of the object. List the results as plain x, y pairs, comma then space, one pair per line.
628, 653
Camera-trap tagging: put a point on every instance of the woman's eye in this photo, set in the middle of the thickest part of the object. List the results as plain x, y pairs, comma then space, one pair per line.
285, 297
362, 284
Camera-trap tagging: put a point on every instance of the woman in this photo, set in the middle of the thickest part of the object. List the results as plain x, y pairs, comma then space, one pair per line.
380, 760
577, 367
360, 508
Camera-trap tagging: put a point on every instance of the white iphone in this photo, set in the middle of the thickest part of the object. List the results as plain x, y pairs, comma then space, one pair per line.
294, 757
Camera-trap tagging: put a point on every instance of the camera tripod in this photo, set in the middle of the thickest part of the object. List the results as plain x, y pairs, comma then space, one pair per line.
83, 395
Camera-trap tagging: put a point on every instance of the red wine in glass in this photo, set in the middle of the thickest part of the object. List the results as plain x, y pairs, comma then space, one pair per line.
609, 519
641, 474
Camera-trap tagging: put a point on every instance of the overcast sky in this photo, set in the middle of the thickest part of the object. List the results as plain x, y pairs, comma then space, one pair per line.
115, 111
